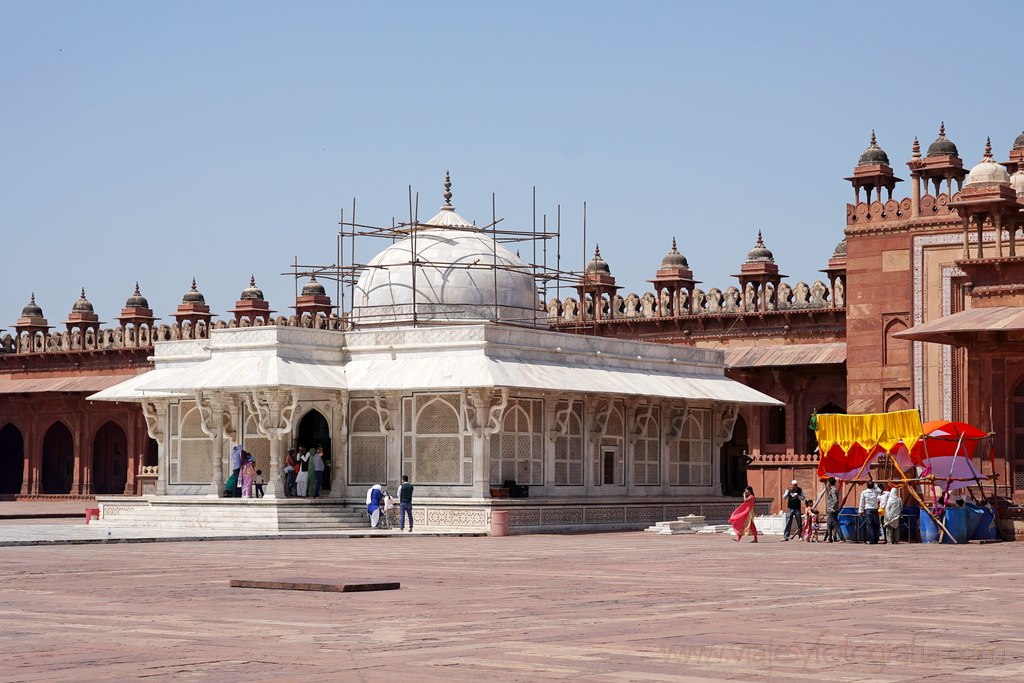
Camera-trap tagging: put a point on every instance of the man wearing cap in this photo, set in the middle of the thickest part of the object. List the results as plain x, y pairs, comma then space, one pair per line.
793, 497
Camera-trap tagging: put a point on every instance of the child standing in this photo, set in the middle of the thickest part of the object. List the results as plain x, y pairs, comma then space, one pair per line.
811, 523
258, 481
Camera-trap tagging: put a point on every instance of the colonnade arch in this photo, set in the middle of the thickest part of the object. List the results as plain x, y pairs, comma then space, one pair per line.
12, 460
110, 459
58, 459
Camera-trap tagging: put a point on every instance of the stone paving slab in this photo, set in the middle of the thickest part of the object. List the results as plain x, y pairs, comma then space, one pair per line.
604, 607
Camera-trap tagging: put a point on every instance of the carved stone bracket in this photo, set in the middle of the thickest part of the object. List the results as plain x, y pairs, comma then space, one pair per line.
339, 404
155, 415
560, 419
275, 411
484, 410
384, 412
642, 415
730, 413
599, 421
676, 421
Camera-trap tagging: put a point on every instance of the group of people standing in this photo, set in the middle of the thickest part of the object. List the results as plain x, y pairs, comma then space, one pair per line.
879, 510
379, 504
304, 472
246, 481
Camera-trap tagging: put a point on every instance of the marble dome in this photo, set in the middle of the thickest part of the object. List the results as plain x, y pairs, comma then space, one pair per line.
454, 278
988, 172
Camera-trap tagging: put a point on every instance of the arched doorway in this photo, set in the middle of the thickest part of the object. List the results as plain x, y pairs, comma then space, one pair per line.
109, 459
12, 460
58, 459
313, 431
734, 460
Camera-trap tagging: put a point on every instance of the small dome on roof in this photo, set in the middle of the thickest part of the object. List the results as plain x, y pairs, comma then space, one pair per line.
82, 305
252, 292
987, 172
193, 296
942, 146
1019, 142
873, 155
313, 288
840, 250
674, 259
760, 252
1017, 181
32, 310
598, 264
136, 300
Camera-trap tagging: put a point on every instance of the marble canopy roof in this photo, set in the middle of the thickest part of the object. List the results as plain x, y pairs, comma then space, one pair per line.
479, 355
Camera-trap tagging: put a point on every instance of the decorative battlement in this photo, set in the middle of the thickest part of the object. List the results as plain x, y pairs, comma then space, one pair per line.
698, 303
892, 210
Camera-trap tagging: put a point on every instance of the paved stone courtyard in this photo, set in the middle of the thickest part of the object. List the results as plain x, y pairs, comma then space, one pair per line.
594, 607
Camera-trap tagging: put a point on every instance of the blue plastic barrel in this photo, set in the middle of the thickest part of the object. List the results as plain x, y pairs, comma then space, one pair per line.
955, 520
929, 531
849, 524
986, 530
973, 514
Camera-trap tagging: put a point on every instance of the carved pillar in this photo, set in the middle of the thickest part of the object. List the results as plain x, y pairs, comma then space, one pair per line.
915, 196
966, 221
211, 414
484, 412
339, 443
979, 221
155, 415
134, 455
275, 411
997, 223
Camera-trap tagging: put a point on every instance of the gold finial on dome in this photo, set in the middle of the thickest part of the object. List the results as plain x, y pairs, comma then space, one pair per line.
447, 189
988, 148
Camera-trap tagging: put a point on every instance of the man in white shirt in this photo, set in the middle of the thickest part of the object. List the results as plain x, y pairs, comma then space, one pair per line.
868, 509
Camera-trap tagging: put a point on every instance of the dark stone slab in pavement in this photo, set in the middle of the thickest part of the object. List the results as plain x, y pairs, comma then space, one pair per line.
321, 585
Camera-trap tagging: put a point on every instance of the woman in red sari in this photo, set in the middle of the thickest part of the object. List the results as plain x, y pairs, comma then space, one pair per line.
742, 520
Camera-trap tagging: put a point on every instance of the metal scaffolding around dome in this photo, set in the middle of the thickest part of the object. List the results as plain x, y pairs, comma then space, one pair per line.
444, 269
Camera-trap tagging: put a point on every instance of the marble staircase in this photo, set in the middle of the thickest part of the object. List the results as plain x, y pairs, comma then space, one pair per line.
231, 514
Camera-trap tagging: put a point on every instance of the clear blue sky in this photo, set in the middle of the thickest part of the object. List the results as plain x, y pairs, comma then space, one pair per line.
160, 141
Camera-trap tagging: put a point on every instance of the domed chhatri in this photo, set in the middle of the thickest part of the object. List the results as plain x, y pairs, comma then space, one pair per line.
987, 173
873, 155
313, 288
252, 292
942, 146
136, 300
840, 250
448, 271
598, 264
193, 296
82, 305
1017, 181
32, 310
1019, 142
673, 259
760, 253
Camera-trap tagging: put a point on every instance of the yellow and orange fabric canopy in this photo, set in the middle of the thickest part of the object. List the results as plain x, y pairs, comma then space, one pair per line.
847, 442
